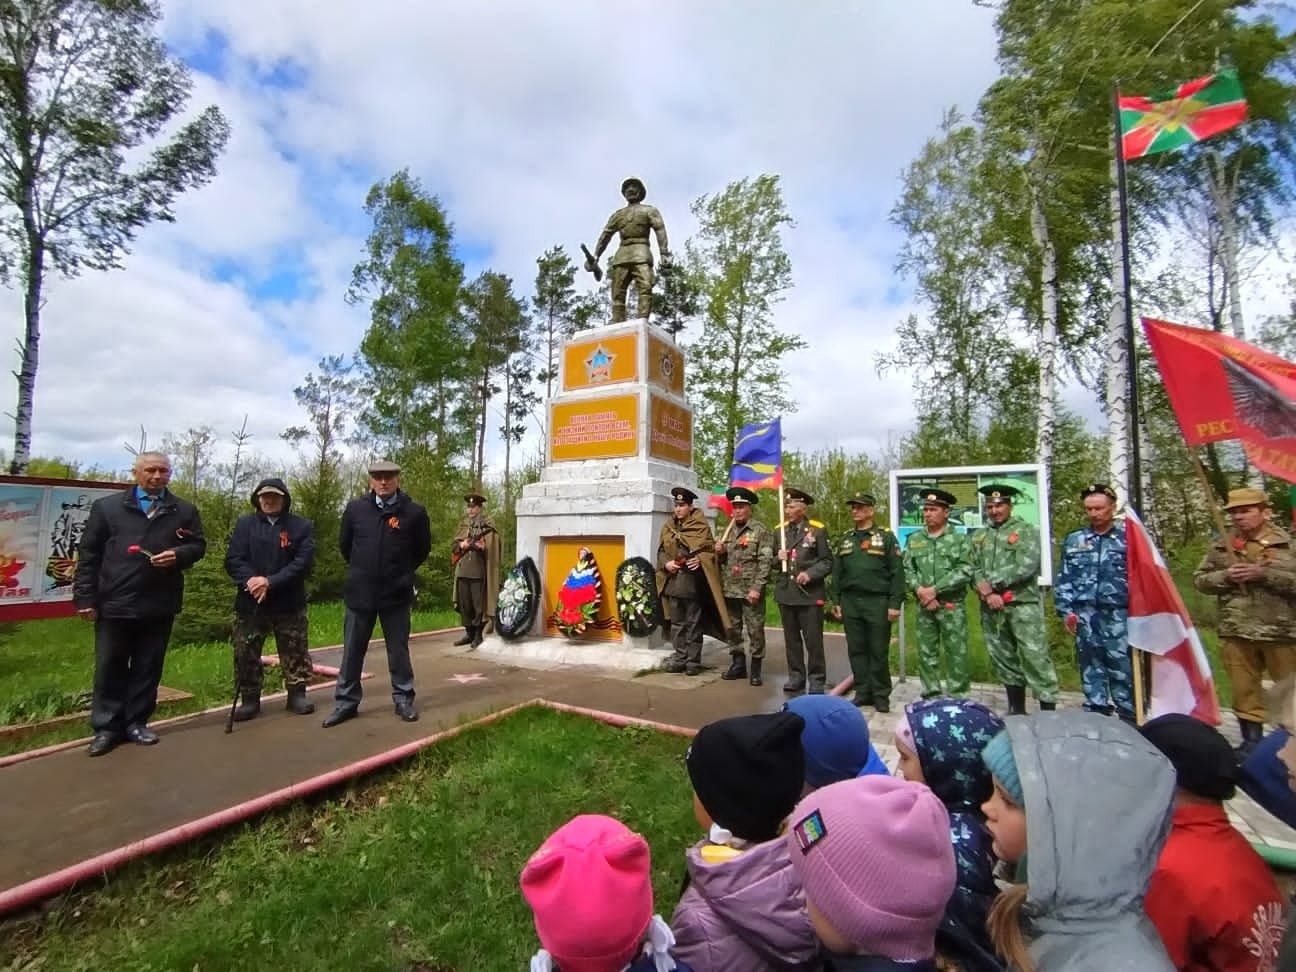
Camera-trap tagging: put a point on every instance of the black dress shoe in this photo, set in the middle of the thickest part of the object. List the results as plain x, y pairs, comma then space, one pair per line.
406, 712
104, 742
883, 707
862, 700
141, 735
673, 667
794, 686
692, 669
339, 715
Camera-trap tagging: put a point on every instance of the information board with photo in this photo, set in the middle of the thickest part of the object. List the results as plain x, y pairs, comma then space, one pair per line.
41, 525
968, 512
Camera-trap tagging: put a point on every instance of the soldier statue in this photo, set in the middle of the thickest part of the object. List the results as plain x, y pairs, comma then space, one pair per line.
633, 258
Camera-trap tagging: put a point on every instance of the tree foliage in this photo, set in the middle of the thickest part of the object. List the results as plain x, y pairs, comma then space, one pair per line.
88, 98
741, 270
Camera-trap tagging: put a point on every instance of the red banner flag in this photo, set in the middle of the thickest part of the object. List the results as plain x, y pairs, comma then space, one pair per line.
1223, 388
1159, 624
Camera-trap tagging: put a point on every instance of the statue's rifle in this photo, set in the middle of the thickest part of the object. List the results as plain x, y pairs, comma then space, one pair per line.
591, 264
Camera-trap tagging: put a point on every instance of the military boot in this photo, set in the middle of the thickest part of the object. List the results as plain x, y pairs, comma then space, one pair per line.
250, 707
1016, 699
737, 668
298, 704
477, 634
756, 672
1252, 733
466, 638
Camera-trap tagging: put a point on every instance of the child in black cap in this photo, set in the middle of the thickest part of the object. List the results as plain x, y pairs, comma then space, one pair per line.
743, 910
1212, 898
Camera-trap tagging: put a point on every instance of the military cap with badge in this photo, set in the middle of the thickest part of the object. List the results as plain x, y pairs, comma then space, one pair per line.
931, 496
682, 494
999, 492
800, 495
1098, 489
741, 494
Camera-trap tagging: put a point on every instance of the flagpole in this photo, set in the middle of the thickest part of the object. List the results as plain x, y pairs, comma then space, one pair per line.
782, 526
1135, 498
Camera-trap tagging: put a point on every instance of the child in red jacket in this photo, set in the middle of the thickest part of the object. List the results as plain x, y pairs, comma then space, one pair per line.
1212, 898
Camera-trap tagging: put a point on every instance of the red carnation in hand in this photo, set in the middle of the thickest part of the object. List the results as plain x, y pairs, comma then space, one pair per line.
135, 548
1007, 597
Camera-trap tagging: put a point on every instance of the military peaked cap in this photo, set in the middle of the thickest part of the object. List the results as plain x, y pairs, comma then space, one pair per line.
861, 498
798, 494
682, 494
937, 497
999, 492
1098, 489
741, 494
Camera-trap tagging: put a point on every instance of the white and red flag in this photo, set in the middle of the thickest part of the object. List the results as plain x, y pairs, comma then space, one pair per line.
1159, 625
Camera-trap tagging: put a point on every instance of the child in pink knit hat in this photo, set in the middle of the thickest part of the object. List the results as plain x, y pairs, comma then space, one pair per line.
875, 859
590, 887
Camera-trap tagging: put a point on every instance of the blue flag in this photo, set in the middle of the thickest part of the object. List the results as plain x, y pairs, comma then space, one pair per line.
758, 456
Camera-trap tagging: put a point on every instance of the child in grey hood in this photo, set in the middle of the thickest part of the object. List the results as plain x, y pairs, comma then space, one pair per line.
1082, 804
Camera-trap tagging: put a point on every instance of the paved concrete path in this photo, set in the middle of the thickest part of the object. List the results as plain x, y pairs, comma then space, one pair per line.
63, 808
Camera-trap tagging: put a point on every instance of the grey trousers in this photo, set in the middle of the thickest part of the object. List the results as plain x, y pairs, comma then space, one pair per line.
357, 629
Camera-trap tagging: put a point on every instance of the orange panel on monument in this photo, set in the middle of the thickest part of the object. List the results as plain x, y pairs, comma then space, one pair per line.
601, 361
670, 436
665, 365
560, 556
594, 428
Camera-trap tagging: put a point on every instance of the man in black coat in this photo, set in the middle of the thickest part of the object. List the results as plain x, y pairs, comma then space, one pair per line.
270, 554
385, 537
130, 583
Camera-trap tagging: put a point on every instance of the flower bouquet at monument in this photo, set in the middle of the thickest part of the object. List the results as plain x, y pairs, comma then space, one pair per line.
638, 605
578, 598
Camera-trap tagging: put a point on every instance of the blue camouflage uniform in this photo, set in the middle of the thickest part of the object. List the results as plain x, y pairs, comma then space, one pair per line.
1093, 584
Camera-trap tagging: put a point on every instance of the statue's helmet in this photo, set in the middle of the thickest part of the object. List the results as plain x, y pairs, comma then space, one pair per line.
632, 181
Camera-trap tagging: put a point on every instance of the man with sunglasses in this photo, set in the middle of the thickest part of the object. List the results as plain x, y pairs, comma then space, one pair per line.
385, 537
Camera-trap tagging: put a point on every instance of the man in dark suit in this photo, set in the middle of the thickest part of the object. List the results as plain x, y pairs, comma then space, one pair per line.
385, 537
130, 583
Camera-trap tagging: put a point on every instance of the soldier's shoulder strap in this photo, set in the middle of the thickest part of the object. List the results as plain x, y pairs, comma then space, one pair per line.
817, 524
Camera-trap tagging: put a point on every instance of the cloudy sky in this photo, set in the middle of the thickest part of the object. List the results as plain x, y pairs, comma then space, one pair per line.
523, 118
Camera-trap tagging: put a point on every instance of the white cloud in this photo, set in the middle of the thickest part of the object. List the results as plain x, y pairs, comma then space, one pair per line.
523, 118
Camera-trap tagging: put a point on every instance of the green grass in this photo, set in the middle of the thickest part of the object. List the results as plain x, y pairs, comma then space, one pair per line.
47, 667
416, 869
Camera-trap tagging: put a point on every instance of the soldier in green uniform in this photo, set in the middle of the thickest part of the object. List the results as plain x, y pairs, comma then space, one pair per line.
937, 569
1005, 575
800, 593
868, 584
746, 555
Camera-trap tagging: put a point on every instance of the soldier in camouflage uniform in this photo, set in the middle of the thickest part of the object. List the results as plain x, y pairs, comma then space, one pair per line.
937, 569
1091, 595
269, 557
800, 593
1253, 571
745, 560
868, 583
1005, 572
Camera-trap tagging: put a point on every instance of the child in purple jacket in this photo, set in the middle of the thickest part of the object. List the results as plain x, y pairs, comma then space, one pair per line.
743, 910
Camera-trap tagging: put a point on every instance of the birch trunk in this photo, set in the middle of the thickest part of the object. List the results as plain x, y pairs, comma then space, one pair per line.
1048, 337
1224, 197
1117, 359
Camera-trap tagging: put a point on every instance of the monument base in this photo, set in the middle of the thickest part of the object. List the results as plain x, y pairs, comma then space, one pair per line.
631, 655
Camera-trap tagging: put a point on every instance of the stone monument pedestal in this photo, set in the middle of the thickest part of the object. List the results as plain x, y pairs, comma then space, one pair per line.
620, 437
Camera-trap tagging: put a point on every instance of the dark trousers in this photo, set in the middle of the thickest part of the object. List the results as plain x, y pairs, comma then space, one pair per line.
803, 637
868, 646
470, 596
128, 669
686, 629
357, 629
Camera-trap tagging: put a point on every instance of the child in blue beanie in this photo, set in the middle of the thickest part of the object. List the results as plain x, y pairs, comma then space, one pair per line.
835, 740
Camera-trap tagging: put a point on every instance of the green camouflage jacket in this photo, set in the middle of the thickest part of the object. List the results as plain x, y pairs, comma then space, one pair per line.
1008, 557
1263, 610
749, 554
943, 562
